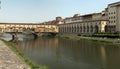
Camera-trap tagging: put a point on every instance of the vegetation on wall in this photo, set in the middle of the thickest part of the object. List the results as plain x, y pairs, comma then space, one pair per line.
107, 35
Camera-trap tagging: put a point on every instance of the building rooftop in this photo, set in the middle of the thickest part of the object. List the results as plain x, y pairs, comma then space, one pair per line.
115, 4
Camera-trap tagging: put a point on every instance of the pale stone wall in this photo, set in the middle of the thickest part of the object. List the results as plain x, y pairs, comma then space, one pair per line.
108, 21
118, 19
96, 16
83, 28
114, 17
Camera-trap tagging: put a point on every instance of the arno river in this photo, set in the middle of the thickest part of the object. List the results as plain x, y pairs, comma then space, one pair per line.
60, 53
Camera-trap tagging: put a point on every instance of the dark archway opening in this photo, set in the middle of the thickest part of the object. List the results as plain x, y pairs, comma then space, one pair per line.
96, 29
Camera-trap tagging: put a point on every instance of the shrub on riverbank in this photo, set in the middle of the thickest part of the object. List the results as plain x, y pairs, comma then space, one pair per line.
107, 35
32, 64
91, 38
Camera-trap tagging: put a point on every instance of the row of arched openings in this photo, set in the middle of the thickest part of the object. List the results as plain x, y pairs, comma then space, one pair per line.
77, 29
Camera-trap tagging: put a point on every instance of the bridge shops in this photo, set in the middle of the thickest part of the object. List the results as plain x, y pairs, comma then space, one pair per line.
21, 27
83, 28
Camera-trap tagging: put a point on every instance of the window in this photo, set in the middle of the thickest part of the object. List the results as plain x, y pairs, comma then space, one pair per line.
114, 21
114, 12
111, 21
114, 17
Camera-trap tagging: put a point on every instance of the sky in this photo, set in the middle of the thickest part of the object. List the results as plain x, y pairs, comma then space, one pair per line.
38, 11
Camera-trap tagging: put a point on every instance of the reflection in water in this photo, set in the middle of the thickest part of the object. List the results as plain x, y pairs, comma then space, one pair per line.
103, 56
59, 53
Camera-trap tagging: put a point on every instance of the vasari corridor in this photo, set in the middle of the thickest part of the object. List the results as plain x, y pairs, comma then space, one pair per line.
62, 34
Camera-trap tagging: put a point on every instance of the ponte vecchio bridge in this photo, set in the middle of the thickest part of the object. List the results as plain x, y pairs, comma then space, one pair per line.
22, 27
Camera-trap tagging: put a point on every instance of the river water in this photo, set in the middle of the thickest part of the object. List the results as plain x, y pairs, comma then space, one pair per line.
60, 53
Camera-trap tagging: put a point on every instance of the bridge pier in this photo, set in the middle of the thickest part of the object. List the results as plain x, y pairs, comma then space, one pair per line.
14, 37
35, 35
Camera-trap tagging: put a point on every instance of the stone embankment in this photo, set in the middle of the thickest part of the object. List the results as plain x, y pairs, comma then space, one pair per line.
9, 60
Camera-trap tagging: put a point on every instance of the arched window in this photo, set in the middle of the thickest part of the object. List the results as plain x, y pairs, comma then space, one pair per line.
87, 29
84, 29
72, 29
77, 28
91, 29
96, 29
81, 29
106, 28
